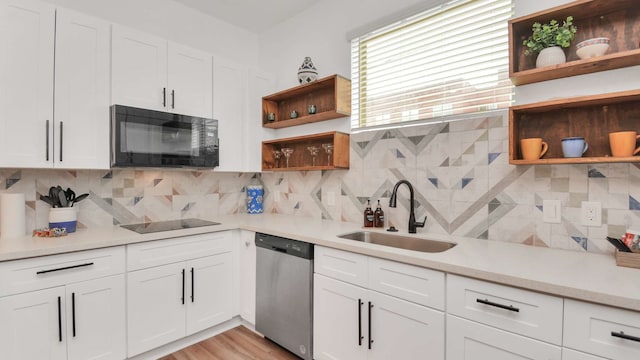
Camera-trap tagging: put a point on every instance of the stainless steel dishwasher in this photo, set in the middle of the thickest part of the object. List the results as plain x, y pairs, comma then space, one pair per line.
284, 292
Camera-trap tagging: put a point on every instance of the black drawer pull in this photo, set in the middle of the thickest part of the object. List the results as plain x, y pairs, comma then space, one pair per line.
64, 268
369, 328
73, 313
59, 319
622, 335
491, 303
360, 337
193, 285
182, 298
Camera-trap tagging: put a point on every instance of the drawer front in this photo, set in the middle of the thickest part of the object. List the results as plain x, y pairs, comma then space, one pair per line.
568, 354
48, 271
160, 252
341, 265
468, 340
602, 330
408, 282
519, 311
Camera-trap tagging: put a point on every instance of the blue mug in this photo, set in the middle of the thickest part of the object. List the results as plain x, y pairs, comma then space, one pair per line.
574, 147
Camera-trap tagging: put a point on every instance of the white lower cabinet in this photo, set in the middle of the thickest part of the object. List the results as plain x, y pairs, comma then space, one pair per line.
247, 276
602, 330
353, 322
169, 301
468, 340
568, 354
81, 317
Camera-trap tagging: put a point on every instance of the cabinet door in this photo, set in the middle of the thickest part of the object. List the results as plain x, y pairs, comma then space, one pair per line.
469, 340
139, 69
156, 299
339, 320
209, 291
247, 276
229, 94
26, 92
602, 330
96, 319
82, 92
32, 325
190, 81
403, 330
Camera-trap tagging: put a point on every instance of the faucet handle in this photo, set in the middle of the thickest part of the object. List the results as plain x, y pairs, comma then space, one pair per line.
421, 224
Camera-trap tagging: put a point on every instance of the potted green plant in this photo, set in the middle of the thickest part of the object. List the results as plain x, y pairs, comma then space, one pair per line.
549, 39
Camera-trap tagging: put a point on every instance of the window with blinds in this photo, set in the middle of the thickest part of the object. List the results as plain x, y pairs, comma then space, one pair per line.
450, 60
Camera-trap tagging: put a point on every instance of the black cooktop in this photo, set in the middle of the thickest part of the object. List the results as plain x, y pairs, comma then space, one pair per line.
157, 226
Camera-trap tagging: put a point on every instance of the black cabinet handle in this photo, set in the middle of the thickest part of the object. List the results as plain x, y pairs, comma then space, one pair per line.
360, 337
370, 339
59, 319
73, 313
622, 335
491, 303
164, 97
173, 99
182, 286
47, 140
193, 287
64, 268
61, 141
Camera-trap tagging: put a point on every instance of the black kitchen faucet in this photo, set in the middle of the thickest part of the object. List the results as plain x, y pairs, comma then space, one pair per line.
412, 216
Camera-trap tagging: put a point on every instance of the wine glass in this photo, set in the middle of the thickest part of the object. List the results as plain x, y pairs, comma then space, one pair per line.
277, 154
328, 148
313, 150
287, 153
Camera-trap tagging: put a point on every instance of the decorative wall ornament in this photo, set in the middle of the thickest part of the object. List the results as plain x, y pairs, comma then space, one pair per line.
307, 71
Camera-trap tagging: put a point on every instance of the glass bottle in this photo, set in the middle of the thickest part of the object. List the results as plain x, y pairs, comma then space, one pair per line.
378, 216
368, 215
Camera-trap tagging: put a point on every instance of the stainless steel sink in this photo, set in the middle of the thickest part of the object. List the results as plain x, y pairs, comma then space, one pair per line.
399, 241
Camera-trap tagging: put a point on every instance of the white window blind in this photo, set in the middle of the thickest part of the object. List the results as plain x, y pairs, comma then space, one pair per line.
450, 60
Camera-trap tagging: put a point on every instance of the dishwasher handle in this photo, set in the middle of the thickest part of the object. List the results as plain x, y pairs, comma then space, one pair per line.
275, 248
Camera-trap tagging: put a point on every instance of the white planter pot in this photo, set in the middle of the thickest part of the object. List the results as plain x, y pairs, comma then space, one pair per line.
65, 217
551, 56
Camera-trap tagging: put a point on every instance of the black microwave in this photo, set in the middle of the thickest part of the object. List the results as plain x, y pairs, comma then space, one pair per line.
149, 138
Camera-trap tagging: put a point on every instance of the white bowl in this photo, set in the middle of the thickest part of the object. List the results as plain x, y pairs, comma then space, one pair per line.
592, 47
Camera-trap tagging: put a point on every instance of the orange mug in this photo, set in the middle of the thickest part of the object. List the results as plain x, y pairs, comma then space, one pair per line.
623, 143
533, 148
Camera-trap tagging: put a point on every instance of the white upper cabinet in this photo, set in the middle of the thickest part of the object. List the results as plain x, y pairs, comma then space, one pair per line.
26, 93
82, 92
31, 134
190, 80
139, 69
149, 72
229, 103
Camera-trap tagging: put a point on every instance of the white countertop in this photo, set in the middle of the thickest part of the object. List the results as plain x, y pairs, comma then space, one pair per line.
582, 276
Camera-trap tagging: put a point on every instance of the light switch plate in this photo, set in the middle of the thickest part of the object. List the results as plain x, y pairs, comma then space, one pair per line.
331, 198
552, 211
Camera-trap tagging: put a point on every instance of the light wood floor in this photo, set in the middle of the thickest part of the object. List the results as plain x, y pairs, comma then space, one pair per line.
238, 343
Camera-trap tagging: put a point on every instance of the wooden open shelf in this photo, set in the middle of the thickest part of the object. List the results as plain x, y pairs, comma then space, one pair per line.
331, 96
301, 158
591, 117
619, 20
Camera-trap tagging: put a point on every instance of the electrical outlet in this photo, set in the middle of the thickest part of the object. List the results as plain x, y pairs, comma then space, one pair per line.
552, 211
591, 213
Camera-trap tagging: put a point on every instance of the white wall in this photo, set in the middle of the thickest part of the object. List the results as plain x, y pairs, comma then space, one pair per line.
173, 21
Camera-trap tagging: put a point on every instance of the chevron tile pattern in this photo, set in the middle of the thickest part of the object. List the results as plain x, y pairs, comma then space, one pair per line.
465, 186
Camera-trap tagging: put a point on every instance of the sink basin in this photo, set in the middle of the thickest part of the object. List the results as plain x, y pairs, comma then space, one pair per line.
399, 241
